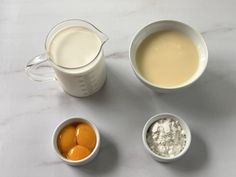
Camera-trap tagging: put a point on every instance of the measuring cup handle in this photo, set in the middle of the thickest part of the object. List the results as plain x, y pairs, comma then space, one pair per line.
38, 69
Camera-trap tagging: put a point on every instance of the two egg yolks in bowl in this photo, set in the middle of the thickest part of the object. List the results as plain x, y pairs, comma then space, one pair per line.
76, 141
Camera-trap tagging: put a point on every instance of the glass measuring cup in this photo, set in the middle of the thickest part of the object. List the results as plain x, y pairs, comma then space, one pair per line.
77, 81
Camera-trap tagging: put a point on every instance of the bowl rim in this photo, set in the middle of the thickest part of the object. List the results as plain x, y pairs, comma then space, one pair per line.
184, 126
66, 122
198, 34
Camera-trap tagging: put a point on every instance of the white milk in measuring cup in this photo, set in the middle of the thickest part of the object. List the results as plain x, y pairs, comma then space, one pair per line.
74, 49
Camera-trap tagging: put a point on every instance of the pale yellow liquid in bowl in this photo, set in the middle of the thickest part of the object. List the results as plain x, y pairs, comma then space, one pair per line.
167, 58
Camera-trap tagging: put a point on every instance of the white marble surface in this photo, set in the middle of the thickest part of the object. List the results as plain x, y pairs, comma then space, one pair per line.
30, 111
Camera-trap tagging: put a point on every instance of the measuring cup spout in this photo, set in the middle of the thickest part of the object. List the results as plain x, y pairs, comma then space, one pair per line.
103, 37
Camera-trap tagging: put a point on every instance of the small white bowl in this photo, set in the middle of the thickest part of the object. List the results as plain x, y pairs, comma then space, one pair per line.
86, 159
162, 26
184, 126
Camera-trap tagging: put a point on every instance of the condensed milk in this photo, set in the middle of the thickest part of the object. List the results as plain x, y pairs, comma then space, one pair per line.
168, 55
167, 58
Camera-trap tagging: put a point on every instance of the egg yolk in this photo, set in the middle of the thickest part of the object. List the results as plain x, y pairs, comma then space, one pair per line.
66, 139
78, 152
76, 141
85, 136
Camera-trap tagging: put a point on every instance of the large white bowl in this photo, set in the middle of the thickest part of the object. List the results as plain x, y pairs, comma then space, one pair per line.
169, 25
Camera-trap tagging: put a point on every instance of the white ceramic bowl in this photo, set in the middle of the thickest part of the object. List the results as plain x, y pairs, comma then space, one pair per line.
156, 156
169, 25
76, 162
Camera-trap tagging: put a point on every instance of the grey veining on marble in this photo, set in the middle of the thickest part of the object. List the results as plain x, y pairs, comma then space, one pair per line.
30, 111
